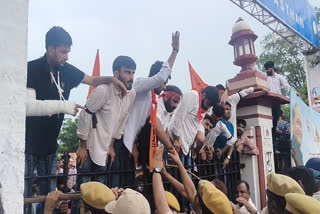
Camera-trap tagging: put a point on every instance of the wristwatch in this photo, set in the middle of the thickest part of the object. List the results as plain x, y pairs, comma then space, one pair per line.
229, 157
156, 170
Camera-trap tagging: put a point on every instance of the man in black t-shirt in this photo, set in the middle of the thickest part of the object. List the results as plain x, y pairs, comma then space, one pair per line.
52, 79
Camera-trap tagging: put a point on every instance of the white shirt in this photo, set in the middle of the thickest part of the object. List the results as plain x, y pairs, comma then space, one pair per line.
184, 122
220, 128
278, 82
162, 113
234, 99
243, 209
142, 105
112, 111
316, 195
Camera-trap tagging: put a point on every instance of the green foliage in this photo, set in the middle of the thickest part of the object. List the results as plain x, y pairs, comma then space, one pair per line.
286, 112
68, 139
288, 60
304, 92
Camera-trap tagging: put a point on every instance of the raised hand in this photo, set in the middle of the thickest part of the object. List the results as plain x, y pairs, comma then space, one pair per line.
157, 161
51, 201
173, 154
177, 145
175, 41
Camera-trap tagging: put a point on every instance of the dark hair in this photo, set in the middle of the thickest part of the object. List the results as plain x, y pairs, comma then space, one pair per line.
241, 121
208, 117
155, 68
305, 175
218, 110
204, 209
228, 104
57, 36
244, 182
211, 94
268, 65
281, 201
220, 87
93, 210
220, 186
174, 89
281, 113
123, 61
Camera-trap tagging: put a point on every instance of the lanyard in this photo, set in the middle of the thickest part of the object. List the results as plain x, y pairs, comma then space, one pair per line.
60, 91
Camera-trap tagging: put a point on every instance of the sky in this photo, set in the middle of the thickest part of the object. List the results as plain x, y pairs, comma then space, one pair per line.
142, 30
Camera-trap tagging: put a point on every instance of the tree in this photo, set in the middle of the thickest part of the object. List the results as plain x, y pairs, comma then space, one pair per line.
288, 60
68, 139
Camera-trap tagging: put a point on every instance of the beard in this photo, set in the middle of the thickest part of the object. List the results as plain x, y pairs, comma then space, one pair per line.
128, 83
157, 91
203, 106
169, 108
269, 73
227, 117
239, 133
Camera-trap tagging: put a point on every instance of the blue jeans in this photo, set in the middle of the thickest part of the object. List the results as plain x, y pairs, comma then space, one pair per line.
186, 160
43, 165
90, 167
123, 161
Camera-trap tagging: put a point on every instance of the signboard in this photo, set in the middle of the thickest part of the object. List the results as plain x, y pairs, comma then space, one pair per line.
305, 129
298, 15
312, 68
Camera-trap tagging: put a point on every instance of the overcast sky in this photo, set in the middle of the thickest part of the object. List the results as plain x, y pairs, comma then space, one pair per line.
142, 30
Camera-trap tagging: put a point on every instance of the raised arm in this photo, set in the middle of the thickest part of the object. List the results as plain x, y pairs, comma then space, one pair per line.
159, 194
96, 81
175, 48
186, 180
174, 182
149, 83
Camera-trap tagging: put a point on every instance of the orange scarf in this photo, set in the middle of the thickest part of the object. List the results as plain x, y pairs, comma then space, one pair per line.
153, 134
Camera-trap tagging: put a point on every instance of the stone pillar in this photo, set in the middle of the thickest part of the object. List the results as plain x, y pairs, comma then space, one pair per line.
256, 109
13, 70
259, 121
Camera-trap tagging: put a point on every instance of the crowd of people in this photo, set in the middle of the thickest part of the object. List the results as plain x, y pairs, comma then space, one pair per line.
139, 126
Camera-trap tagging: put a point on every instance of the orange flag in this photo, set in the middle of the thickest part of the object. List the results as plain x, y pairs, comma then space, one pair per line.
95, 72
153, 134
197, 84
196, 81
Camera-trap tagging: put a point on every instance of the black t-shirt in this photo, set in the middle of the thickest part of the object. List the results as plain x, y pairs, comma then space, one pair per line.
42, 132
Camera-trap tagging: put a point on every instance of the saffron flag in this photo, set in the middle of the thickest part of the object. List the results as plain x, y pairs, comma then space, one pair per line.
95, 72
196, 81
197, 84
153, 134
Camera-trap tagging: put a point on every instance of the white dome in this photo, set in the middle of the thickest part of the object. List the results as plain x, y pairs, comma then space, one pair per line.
240, 25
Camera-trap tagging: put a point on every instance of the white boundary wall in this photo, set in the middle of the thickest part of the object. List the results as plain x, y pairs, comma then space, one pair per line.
13, 70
